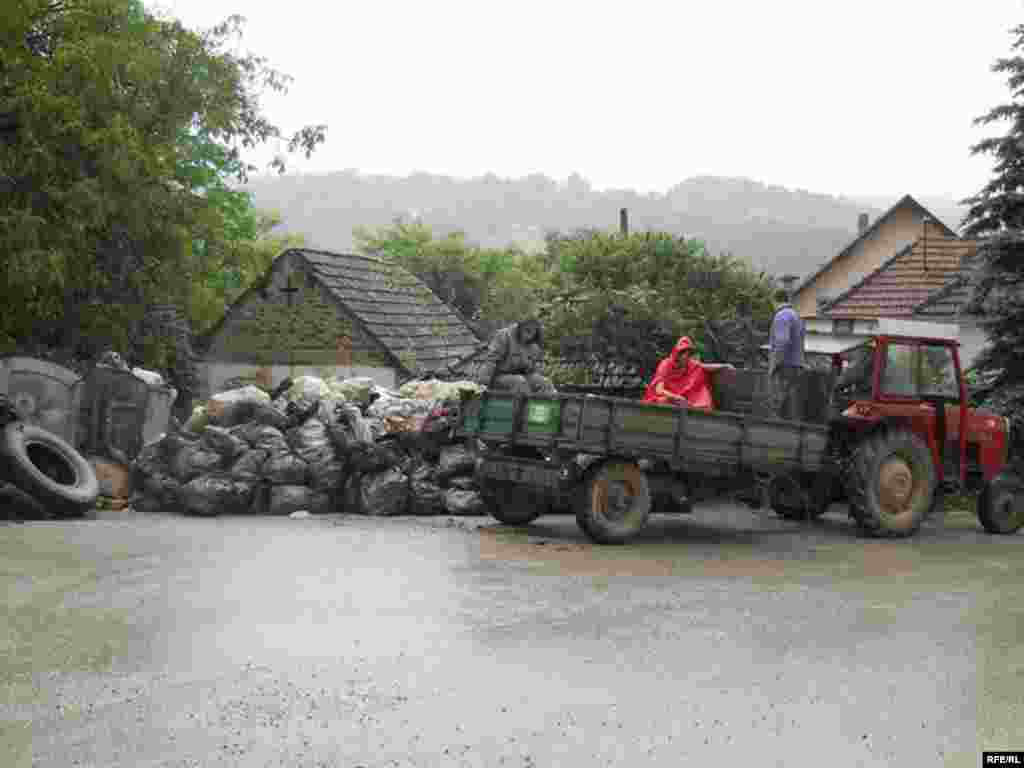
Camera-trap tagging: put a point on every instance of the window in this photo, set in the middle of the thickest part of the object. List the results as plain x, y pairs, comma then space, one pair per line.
937, 372
919, 371
898, 376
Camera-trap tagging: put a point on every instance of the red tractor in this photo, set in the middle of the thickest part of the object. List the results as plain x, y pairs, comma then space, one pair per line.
904, 433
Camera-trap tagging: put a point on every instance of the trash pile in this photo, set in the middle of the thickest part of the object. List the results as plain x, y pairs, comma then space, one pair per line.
316, 446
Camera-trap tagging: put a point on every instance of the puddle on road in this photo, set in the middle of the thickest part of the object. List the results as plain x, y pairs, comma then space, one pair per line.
706, 550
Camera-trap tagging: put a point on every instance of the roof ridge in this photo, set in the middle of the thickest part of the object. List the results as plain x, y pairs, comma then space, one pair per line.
346, 254
907, 198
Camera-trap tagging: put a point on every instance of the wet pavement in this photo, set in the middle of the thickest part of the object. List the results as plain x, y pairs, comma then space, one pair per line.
160, 640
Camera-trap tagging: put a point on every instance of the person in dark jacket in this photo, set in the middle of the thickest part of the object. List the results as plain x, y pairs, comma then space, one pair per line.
785, 366
513, 360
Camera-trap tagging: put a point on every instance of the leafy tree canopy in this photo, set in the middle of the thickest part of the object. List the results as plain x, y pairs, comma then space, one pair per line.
618, 301
120, 133
491, 287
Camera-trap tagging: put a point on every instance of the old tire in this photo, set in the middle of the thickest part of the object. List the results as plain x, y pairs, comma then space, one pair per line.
615, 504
1001, 504
49, 469
514, 505
891, 483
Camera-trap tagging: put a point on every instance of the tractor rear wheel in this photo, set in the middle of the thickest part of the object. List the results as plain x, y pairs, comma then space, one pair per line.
891, 483
615, 503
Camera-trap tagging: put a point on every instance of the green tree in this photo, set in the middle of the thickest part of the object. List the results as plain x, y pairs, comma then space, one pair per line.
490, 287
121, 131
617, 300
996, 215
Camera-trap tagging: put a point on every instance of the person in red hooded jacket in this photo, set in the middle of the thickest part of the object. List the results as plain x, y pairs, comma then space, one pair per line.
681, 380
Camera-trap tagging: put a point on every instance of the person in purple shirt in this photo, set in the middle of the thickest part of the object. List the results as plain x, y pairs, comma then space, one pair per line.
786, 341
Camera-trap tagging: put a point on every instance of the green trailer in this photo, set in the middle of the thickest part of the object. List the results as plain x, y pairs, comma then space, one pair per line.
612, 460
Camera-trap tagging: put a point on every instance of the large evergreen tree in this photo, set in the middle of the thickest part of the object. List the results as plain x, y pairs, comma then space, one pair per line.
996, 216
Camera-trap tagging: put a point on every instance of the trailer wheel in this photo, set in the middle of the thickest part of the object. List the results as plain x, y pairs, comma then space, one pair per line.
49, 469
615, 503
1001, 504
891, 483
514, 505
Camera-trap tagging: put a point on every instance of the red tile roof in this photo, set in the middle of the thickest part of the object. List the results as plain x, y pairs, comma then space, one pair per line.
905, 201
901, 285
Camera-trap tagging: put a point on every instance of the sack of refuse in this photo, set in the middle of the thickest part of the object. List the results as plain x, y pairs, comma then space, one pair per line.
384, 493
464, 503
444, 391
348, 415
215, 494
269, 415
306, 391
327, 475
464, 483
425, 497
220, 441
285, 468
311, 441
395, 425
164, 489
111, 359
249, 466
375, 457
357, 390
262, 437
228, 409
198, 420
152, 378
455, 460
399, 407
150, 460
193, 460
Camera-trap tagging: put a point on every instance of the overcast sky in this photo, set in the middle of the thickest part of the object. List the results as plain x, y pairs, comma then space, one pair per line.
873, 97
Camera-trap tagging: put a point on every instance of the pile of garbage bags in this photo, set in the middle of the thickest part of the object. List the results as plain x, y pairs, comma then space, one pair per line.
317, 446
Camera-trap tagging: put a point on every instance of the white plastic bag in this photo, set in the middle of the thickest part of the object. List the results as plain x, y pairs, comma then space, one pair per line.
307, 390
152, 378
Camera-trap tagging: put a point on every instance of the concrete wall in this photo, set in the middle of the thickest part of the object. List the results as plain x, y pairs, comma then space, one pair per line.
902, 227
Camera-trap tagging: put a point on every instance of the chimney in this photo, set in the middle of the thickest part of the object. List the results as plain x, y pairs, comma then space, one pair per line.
624, 221
862, 223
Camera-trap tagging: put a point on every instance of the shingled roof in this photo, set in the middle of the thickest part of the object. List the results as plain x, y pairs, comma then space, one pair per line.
908, 282
394, 307
906, 200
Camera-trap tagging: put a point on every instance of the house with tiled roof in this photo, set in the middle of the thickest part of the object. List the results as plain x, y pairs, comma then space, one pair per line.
926, 280
343, 314
875, 243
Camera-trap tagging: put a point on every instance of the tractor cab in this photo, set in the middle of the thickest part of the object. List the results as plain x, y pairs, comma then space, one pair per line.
907, 374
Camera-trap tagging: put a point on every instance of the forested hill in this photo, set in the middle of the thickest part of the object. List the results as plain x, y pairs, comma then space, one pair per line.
777, 229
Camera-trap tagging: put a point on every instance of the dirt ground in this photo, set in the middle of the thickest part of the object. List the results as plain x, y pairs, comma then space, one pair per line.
727, 636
